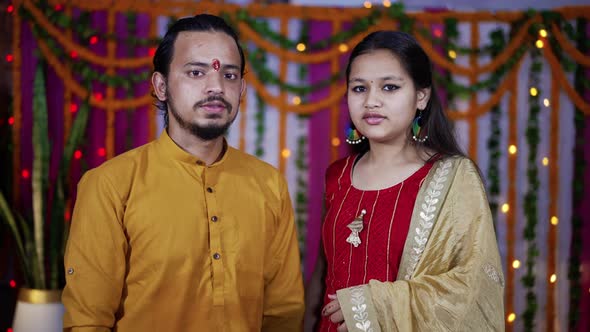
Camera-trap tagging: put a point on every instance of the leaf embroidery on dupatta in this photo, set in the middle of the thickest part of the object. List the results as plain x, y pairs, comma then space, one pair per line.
428, 208
359, 308
493, 274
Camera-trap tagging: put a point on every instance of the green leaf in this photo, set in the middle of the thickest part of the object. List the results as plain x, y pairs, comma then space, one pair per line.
40, 171
9, 218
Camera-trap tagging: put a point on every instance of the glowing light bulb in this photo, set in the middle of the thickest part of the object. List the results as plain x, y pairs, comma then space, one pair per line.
543, 33
301, 47
505, 208
286, 153
511, 317
512, 149
516, 264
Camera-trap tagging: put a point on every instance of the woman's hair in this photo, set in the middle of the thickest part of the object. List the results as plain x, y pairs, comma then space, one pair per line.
416, 63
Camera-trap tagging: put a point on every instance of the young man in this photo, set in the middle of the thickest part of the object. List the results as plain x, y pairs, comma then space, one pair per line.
186, 233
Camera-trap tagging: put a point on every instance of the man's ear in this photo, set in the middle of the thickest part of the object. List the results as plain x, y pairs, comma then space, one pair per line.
423, 98
159, 84
243, 89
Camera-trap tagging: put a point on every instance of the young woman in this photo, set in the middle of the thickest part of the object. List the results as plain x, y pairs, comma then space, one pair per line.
408, 242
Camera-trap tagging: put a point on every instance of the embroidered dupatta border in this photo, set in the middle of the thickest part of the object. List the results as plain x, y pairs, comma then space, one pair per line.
426, 211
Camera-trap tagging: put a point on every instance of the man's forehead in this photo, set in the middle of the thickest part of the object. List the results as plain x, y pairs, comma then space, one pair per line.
207, 46
207, 39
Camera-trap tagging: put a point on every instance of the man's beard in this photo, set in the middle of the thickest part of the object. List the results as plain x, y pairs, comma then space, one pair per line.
206, 132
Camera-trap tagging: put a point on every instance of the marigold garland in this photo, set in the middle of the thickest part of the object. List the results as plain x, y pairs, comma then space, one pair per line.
406, 21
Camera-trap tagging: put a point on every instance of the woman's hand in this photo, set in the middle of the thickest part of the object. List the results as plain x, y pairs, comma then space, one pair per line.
334, 311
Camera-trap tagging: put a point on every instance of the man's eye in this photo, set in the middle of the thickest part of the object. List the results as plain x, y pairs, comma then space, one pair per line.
195, 73
230, 76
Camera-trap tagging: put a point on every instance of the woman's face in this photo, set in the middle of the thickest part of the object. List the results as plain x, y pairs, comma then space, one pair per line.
382, 98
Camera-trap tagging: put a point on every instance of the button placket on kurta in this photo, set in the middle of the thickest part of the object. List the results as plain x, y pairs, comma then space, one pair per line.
214, 221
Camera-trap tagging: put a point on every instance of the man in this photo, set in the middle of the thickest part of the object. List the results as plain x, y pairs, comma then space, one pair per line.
186, 233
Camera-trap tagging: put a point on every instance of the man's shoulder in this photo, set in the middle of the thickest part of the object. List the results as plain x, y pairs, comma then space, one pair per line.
121, 166
253, 162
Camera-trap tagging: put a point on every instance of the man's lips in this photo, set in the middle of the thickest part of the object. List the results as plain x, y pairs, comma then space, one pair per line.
214, 107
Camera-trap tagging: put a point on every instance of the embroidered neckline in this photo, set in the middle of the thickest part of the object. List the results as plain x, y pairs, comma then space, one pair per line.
420, 173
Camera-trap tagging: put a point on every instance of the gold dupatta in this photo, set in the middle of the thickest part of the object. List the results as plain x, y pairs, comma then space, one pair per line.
450, 275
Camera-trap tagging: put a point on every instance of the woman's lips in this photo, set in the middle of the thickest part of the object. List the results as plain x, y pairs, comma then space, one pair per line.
373, 119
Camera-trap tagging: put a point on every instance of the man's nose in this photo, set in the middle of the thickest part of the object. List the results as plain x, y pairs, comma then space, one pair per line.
214, 83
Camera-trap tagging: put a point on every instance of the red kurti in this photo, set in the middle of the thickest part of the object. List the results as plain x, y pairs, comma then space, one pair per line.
385, 228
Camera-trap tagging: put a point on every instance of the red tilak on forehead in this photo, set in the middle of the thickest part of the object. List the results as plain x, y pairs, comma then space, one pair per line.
216, 64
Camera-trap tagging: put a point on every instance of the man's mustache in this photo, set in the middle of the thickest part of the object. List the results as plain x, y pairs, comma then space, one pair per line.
212, 99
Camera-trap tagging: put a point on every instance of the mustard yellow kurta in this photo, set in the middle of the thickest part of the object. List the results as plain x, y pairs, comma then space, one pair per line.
161, 242
450, 276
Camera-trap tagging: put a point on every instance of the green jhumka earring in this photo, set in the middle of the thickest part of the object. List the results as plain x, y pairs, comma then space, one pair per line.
353, 136
417, 127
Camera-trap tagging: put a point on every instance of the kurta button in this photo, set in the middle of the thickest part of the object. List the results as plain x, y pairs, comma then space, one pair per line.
199, 162
209, 190
70, 270
214, 219
216, 256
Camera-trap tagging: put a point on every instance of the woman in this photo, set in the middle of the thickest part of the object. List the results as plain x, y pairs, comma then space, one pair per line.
408, 240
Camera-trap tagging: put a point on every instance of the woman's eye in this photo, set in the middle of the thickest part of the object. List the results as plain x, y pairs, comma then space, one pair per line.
390, 87
358, 88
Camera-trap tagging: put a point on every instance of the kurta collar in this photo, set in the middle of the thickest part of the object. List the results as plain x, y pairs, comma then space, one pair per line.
166, 144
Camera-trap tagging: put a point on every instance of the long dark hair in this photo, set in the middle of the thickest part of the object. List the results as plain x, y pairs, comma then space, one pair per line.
202, 22
414, 60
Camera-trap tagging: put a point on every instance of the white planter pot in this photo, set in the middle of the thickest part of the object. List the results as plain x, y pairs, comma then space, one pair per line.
38, 311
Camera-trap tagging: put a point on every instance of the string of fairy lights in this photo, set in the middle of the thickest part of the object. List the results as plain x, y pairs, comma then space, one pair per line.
540, 38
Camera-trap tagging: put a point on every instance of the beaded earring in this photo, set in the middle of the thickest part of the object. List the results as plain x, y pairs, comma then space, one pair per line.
417, 127
353, 136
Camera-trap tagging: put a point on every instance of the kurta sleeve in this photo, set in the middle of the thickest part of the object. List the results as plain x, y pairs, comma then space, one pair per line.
457, 284
283, 293
95, 259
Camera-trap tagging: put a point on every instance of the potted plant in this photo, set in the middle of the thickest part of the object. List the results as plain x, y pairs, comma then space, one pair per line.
40, 240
